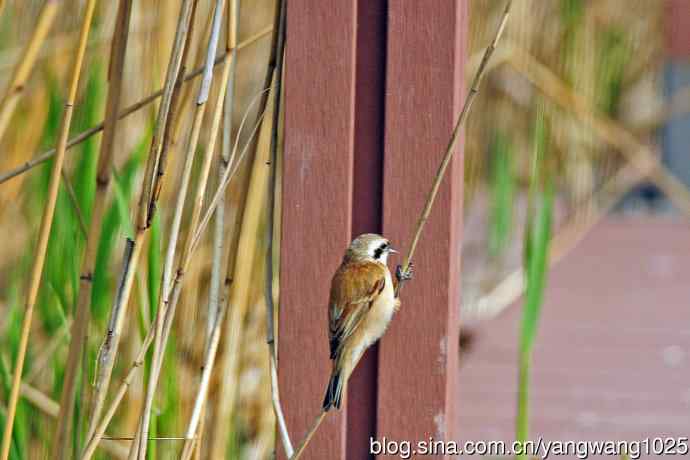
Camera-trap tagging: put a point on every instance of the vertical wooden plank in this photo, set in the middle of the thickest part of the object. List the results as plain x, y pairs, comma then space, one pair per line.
317, 203
677, 28
676, 133
367, 199
418, 357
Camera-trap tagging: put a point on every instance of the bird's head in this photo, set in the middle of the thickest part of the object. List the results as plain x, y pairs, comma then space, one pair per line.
370, 246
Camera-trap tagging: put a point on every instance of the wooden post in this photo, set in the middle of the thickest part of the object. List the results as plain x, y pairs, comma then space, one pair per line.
372, 89
317, 207
676, 133
418, 359
367, 200
678, 28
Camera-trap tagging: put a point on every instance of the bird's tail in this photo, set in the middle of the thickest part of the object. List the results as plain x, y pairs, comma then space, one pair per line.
334, 391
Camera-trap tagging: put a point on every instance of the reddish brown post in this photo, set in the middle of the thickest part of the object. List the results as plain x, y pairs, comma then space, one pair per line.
676, 132
367, 199
372, 88
316, 210
678, 28
418, 357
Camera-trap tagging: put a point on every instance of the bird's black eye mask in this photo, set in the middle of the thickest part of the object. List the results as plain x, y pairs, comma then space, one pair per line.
379, 251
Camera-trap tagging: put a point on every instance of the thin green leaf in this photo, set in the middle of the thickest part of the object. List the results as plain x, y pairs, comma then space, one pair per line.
112, 223
154, 264
536, 255
502, 190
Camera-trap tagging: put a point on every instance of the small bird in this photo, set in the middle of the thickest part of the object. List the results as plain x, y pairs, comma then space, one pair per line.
362, 303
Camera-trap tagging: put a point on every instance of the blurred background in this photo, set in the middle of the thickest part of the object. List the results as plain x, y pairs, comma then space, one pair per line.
610, 358
610, 78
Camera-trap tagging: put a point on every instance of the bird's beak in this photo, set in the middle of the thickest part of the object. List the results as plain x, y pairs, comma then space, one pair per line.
392, 250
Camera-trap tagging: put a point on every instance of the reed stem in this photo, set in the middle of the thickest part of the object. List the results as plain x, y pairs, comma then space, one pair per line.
83, 309
88, 133
44, 232
147, 203
26, 64
216, 312
166, 309
270, 230
310, 434
101, 426
238, 299
455, 135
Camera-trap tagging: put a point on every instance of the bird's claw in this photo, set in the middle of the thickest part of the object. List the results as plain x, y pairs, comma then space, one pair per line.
404, 275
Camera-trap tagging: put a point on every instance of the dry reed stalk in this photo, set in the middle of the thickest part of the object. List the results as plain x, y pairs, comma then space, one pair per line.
103, 175
171, 129
86, 134
166, 310
152, 438
23, 70
238, 299
48, 352
109, 347
499, 57
229, 173
207, 369
100, 428
198, 57
310, 434
268, 78
170, 91
219, 247
271, 210
51, 408
122, 390
23, 143
72, 196
231, 245
213, 335
277, 216
224, 163
213, 134
450, 149
60, 43
636, 152
147, 204
44, 232
190, 244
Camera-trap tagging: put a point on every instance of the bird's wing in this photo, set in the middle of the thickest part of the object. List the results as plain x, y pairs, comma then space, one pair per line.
354, 288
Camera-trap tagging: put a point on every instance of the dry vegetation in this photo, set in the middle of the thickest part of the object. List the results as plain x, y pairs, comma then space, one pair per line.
596, 68
32, 129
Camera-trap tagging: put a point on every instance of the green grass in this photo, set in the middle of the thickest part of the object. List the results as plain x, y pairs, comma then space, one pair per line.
154, 274
572, 19
116, 225
614, 55
502, 193
536, 250
155, 265
58, 292
10, 343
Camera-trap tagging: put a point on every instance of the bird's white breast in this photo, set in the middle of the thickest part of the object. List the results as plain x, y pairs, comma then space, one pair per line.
376, 321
